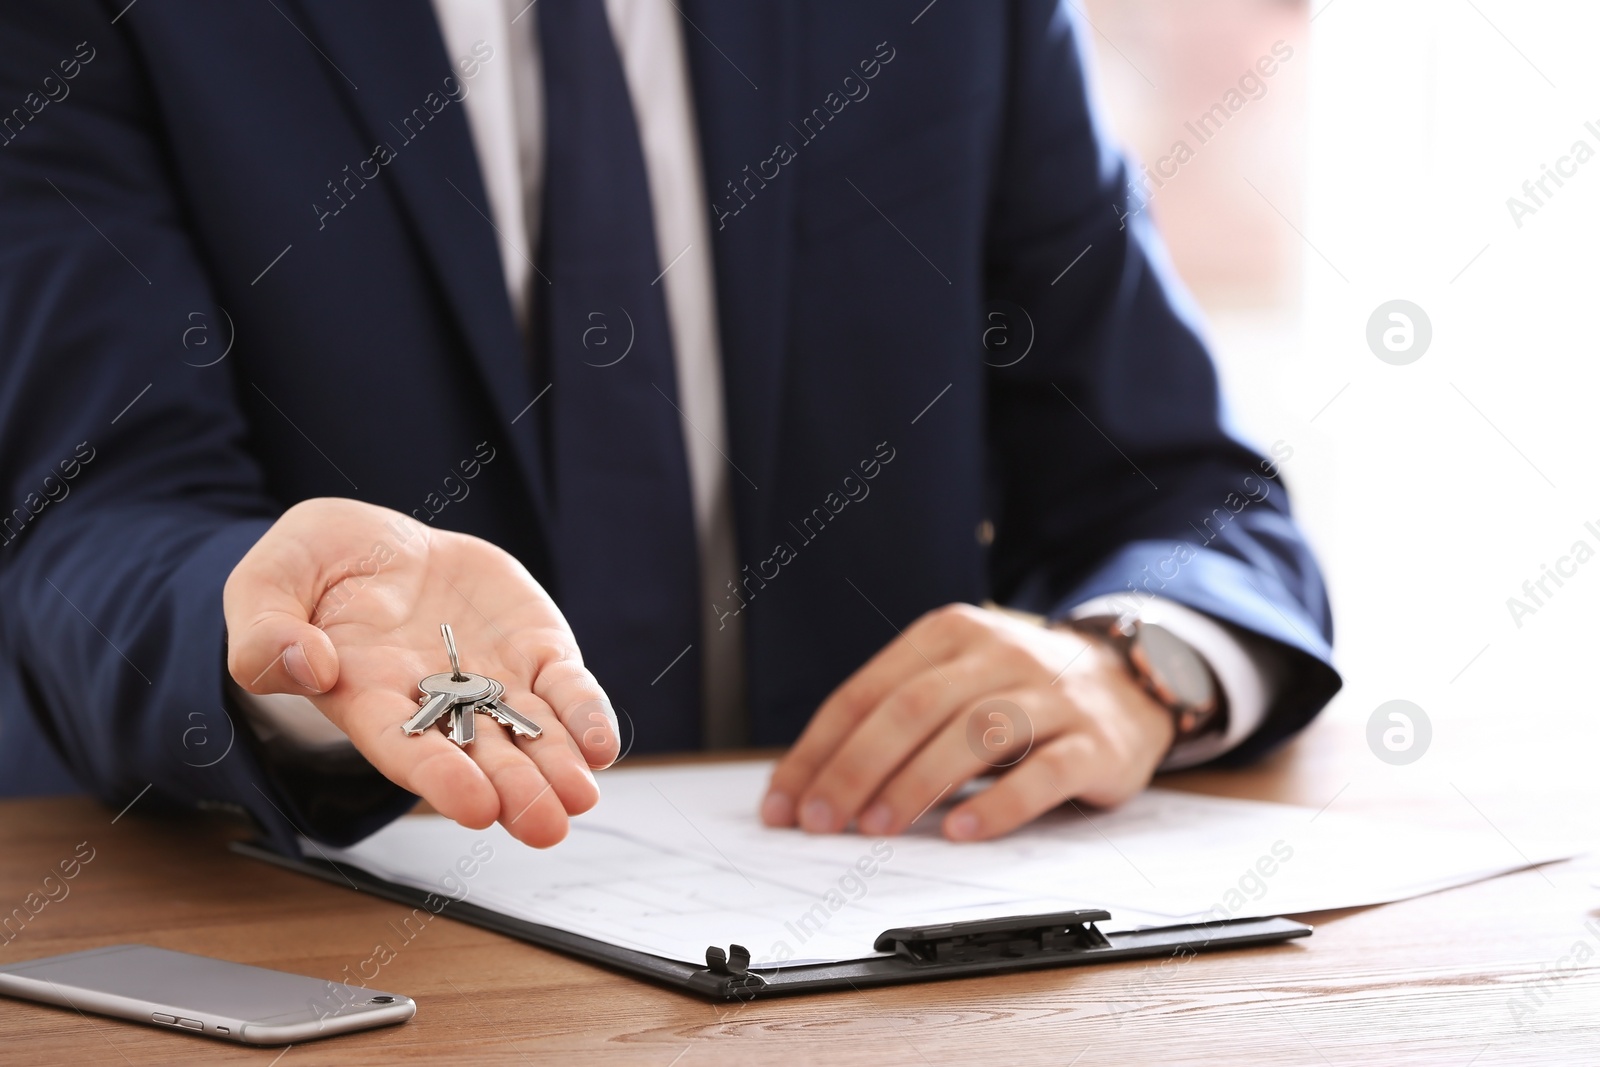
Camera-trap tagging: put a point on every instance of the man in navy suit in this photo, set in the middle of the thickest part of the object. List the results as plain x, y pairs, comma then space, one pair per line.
726, 374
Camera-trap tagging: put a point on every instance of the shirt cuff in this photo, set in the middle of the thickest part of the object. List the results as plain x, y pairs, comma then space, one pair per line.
290, 727
1248, 669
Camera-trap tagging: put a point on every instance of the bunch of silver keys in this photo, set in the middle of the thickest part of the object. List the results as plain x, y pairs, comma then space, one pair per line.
464, 696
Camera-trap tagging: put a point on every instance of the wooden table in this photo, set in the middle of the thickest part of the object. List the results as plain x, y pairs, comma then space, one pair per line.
1427, 981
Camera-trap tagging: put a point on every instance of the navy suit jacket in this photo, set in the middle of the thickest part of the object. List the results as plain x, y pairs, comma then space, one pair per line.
192, 340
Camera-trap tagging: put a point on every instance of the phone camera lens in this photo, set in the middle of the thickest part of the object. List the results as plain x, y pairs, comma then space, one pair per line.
382, 1000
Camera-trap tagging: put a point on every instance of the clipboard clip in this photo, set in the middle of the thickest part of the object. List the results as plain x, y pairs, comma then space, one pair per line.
731, 964
1013, 938
730, 974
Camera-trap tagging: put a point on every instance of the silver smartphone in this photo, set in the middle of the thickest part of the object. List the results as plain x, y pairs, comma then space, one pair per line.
200, 995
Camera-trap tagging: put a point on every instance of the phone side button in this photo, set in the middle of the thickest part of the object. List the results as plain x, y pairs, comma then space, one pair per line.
190, 1024
157, 1017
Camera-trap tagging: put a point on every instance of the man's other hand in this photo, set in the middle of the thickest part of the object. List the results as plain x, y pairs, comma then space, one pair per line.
966, 692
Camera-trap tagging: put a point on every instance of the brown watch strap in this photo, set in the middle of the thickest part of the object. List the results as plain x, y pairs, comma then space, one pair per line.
1192, 716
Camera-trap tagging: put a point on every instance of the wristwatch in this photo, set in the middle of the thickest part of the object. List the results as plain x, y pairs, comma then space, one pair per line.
1166, 667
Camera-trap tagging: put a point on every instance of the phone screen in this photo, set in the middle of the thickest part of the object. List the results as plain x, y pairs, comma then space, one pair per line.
203, 995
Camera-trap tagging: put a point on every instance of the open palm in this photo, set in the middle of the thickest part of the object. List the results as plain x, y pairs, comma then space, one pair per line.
341, 601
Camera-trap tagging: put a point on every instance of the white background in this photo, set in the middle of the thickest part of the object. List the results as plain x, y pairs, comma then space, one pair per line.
1424, 116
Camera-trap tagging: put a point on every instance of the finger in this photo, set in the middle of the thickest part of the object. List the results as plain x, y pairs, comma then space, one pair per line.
272, 646
564, 767
991, 733
570, 691
529, 805
560, 759
889, 735
1052, 775
923, 646
583, 709
428, 764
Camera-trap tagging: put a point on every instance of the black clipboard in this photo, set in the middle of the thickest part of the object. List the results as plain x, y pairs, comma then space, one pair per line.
919, 954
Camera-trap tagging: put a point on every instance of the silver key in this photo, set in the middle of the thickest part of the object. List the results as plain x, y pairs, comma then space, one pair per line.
432, 708
510, 717
506, 715
461, 725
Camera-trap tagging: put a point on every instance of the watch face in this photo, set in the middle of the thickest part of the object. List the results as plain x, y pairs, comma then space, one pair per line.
1174, 669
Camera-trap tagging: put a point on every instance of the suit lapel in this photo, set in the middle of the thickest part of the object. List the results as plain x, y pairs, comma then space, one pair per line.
392, 52
392, 65
741, 63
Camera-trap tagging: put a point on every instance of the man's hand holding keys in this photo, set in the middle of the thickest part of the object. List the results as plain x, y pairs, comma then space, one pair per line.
341, 602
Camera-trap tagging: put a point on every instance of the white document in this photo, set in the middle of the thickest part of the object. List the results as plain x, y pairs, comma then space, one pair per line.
674, 860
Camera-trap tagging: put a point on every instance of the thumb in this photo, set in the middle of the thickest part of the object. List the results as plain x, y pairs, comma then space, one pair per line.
272, 646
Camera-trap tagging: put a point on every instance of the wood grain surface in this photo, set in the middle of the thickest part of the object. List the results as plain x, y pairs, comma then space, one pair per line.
1436, 980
